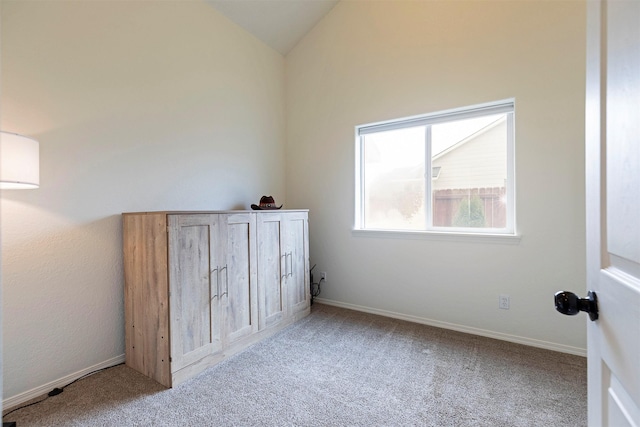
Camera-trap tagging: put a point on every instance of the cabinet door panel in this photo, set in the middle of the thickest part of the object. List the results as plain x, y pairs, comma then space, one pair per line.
240, 275
194, 299
271, 263
298, 273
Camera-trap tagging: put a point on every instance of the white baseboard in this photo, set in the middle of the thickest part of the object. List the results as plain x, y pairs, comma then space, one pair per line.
460, 328
18, 399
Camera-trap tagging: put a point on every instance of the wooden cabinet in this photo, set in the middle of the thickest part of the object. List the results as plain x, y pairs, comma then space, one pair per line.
200, 286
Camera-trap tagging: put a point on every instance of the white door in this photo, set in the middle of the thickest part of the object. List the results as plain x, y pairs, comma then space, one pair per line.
613, 210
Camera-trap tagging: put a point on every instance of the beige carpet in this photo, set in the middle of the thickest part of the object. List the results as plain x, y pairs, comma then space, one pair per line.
341, 368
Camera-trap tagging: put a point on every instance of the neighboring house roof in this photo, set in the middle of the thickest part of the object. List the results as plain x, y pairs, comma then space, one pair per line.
471, 137
477, 161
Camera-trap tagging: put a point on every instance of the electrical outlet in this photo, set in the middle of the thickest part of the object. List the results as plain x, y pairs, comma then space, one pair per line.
503, 302
323, 276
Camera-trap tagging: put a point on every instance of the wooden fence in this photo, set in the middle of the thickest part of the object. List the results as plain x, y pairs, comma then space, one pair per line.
488, 201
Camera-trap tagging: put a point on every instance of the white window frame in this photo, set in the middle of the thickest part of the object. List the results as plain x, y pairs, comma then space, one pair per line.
504, 106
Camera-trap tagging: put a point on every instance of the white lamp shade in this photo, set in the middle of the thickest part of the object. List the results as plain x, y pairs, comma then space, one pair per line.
19, 162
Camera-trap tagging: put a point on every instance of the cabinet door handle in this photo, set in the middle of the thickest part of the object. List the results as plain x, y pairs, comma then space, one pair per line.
290, 264
283, 268
226, 281
215, 270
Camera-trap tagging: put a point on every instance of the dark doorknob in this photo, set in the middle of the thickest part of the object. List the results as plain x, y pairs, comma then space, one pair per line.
568, 303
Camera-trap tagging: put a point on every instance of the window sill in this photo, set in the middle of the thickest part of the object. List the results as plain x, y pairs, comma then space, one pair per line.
512, 239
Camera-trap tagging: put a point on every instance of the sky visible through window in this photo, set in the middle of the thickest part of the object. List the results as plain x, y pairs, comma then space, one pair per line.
445, 135
405, 147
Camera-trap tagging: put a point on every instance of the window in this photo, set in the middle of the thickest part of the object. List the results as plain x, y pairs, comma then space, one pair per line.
468, 156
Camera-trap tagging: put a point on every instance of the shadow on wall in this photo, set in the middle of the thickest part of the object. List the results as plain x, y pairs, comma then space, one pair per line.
62, 292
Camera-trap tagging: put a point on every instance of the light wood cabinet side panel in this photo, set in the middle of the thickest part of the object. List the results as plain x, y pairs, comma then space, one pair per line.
146, 295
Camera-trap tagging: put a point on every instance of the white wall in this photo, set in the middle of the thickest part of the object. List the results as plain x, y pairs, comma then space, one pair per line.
137, 106
374, 61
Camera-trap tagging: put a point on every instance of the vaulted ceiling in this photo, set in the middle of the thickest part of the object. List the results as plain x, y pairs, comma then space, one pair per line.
280, 24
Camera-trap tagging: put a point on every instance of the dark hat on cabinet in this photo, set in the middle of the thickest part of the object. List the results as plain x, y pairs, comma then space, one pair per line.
266, 203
